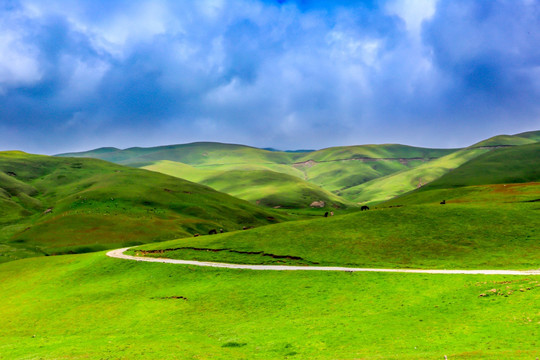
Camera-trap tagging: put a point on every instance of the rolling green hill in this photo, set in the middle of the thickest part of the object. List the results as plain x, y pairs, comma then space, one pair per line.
357, 174
51, 205
518, 164
484, 161
387, 187
481, 226
534, 135
505, 140
384, 151
333, 169
199, 153
254, 183
89, 306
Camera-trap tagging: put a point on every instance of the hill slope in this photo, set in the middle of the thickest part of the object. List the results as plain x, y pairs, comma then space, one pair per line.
333, 169
57, 205
385, 188
477, 234
254, 183
506, 140
517, 164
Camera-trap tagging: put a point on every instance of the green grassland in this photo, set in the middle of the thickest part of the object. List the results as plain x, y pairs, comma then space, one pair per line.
199, 153
51, 205
387, 187
455, 236
484, 224
506, 140
89, 306
517, 164
359, 174
383, 151
254, 183
333, 169
534, 135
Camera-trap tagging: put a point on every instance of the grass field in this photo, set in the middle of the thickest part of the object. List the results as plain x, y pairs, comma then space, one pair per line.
387, 187
484, 227
51, 205
519, 164
89, 306
254, 183
333, 169
92, 307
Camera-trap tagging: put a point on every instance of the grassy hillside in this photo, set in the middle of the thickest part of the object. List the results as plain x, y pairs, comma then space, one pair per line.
385, 188
384, 151
517, 164
93, 307
459, 235
333, 169
506, 140
533, 135
270, 188
253, 183
489, 195
56, 205
199, 153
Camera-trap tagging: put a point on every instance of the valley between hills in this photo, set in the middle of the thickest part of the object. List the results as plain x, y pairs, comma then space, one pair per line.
443, 212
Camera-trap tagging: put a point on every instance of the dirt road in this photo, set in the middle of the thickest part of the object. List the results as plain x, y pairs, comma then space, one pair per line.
119, 254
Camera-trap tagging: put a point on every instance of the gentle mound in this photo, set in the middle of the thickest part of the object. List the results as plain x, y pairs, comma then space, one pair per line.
52, 205
454, 236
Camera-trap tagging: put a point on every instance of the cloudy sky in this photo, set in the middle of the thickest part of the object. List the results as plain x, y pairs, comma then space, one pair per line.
77, 75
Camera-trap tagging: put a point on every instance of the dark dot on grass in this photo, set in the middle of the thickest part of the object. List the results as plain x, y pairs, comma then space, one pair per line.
233, 344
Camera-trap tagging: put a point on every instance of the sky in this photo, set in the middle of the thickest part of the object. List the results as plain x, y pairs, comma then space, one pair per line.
304, 74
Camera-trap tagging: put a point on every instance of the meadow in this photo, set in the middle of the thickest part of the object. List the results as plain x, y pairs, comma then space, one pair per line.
90, 306
458, 235
51, 205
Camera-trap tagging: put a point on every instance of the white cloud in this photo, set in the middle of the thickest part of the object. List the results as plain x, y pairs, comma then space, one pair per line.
413, 13
18, 61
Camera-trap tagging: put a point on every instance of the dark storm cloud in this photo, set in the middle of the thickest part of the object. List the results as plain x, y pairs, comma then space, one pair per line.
289, 74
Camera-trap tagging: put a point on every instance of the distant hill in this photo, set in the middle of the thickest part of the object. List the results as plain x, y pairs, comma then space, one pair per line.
504, 140
533, 135
358, 174
508, 174
51, 205
198, 153
333, 169
518, 164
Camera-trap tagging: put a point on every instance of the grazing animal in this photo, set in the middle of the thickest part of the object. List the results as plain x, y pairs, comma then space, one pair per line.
221, 231
195, 235
443, 202
331, 213
364, 207
212, 232
326, 214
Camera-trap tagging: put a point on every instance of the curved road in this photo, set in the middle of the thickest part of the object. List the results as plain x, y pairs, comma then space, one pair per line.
119, 254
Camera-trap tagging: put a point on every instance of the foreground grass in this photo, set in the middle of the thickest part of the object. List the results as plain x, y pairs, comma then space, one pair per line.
93, 307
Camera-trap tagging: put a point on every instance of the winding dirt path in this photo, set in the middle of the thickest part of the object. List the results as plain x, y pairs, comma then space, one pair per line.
119, 254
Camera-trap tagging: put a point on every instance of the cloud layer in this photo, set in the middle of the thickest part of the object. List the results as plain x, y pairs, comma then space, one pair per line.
287, 74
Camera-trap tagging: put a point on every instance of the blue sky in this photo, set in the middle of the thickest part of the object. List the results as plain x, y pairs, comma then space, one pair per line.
287, 74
